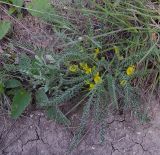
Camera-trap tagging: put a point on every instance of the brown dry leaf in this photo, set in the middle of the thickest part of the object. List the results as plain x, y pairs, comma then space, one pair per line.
154, 36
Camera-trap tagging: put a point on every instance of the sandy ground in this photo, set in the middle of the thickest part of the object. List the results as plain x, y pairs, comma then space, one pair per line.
36, 135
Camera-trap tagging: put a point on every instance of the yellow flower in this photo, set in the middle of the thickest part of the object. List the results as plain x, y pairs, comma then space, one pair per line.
73, 68
86, 68
123, 82
97, 51
130, 70
84, 65
97, 78
91, 86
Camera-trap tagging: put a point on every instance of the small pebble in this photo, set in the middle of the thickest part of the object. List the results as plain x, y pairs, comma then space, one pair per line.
93, 148
80, 38
31, 115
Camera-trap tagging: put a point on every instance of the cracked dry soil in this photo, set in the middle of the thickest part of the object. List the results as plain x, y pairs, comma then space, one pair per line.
36, 135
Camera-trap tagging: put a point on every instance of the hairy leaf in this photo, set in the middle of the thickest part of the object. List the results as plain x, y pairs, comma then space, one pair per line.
4, 28
24, 63
21, 100
55, 113
40, 8
13, 83
41, 97
18, 2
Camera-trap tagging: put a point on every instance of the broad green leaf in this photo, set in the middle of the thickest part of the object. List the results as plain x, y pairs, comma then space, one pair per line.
12, 92
7, 1
40, 8
21, 100
4, 28
44, 10
13, 83
11, 10
14, 2
41, 97
55, 113
18, 2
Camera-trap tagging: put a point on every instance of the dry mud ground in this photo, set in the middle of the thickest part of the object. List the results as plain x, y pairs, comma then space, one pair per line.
36, 135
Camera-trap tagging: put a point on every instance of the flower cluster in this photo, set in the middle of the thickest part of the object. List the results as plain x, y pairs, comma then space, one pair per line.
85, 68
96, 80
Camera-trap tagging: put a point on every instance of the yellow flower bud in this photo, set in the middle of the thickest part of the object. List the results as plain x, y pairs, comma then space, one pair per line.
86, 68
130, 70
123, 82
91, 86
97, 51
97, 78
73, 68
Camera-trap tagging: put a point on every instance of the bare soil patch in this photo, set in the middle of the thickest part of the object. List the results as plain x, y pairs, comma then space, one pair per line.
36, 135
